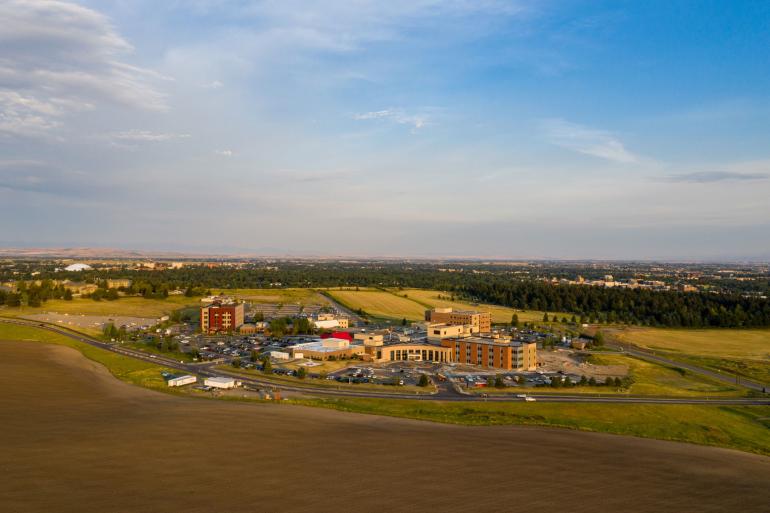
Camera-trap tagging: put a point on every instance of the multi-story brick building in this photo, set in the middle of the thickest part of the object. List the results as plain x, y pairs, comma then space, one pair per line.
480, 322
493, 353
221, 317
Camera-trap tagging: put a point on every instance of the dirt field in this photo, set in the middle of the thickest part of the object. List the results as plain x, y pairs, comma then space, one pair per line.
567, 361
76, 439
94, 323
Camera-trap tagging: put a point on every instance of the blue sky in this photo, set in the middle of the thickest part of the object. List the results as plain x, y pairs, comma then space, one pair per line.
521, 129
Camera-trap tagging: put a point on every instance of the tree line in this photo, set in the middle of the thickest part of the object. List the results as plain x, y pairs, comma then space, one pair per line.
496, 286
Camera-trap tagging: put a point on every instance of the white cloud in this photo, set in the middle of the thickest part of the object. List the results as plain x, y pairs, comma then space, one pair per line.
57, 58
224, 153
395, 115
587, 140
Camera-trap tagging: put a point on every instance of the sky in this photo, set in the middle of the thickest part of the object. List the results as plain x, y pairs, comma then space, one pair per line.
419, 128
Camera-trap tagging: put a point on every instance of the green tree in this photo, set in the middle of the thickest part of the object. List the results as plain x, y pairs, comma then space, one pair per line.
599, 339
67, 295
499, 383
403, 321
302, 373
254, 356
583, 381
515, 321
267, 366
592, 381
424, 381
618, 383
545, 317
609, 381
236, 363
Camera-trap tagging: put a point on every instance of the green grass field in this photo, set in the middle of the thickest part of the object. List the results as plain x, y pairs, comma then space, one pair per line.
412, 303
276, 296
379, 303
500, 314
751, 344
653, 379
742, 352
745, 427
125, 306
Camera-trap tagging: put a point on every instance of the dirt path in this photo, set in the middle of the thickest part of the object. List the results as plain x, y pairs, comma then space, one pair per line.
73, 438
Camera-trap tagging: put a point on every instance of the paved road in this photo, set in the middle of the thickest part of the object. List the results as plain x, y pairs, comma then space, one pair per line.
445, 393
655, 358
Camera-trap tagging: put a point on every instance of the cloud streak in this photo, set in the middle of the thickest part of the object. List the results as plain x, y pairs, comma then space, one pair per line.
587, 140
716, 176
395, 115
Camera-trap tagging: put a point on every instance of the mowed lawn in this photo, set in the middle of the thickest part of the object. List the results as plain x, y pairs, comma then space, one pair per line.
125, 306
379, 303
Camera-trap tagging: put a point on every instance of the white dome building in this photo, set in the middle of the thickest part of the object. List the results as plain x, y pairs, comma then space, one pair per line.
78, 267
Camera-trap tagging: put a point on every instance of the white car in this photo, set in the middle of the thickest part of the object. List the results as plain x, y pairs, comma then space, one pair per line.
530, 399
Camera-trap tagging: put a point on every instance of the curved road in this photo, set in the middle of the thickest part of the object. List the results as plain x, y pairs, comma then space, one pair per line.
652, 357
445, 393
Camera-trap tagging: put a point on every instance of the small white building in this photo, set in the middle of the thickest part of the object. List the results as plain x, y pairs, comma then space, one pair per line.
182, 380
279, 355
326, 324
220, 382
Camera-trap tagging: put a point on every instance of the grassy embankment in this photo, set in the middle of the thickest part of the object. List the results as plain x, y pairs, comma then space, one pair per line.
742, 427
136, 372
745, 427
733, 351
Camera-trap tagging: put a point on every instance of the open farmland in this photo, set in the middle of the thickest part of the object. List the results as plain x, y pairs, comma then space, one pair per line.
110, 440
379, 303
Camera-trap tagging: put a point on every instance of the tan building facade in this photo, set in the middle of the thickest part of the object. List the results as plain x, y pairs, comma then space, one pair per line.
437, 332
410, 352
493, 353
480, 322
